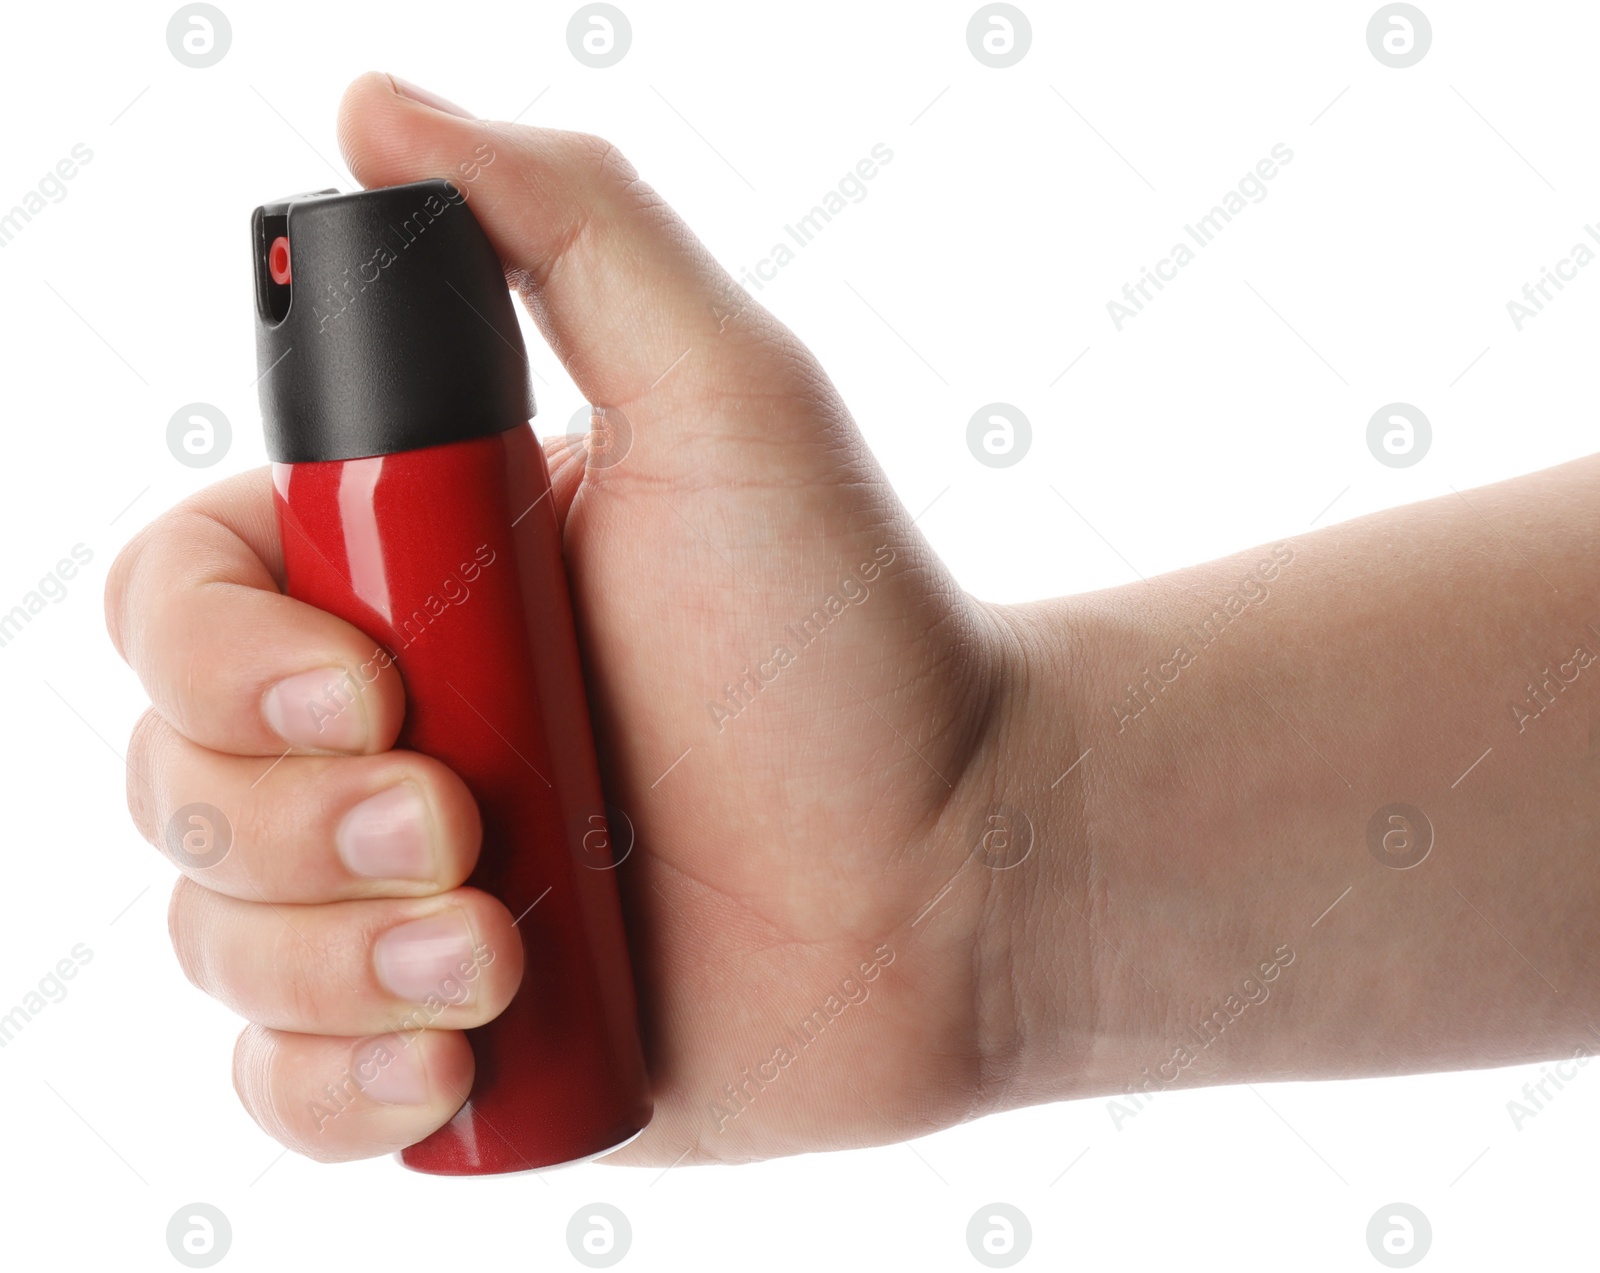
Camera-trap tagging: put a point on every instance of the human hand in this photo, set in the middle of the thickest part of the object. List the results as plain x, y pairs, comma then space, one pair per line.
795, 705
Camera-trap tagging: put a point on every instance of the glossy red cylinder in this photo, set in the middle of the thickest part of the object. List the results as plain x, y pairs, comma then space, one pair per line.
449, 558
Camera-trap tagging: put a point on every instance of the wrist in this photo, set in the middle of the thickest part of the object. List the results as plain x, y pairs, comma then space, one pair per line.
1047, 1023
1086, 928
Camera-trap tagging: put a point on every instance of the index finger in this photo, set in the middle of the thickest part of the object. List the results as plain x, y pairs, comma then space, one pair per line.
193, 604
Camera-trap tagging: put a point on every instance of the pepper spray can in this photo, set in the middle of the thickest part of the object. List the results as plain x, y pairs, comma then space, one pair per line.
414, 501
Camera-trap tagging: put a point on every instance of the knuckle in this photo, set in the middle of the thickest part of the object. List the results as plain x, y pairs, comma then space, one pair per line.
296, 997
143, 754
183, 928
608, 185
255, 1058
598, 159
252, 1072
316, 1150
261, 848
497, 952
119, 581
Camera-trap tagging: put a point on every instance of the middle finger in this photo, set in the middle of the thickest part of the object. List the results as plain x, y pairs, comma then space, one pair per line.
361, 967
303, 828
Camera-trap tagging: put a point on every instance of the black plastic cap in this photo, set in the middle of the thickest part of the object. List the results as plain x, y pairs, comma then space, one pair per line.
394, 330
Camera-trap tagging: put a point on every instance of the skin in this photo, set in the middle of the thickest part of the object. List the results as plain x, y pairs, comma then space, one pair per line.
839, 819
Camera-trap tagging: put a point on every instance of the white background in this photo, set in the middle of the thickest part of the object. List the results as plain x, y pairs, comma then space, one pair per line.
1017, 204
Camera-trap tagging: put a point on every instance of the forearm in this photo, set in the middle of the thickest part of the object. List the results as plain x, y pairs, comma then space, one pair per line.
1444, 656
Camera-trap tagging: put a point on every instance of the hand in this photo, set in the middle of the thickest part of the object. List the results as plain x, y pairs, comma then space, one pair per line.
795, 704
810, 727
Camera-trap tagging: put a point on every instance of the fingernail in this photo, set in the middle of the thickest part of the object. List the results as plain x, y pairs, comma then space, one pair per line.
321, 709
389, 1069
386, 836
423, 959
407, 89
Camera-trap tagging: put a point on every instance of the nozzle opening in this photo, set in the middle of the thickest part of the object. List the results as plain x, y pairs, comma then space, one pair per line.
278, 261
274, 268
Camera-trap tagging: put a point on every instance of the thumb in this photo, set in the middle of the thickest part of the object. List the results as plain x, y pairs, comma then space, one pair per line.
641, 315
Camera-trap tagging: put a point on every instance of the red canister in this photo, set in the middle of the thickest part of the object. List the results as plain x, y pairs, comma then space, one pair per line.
414, 502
